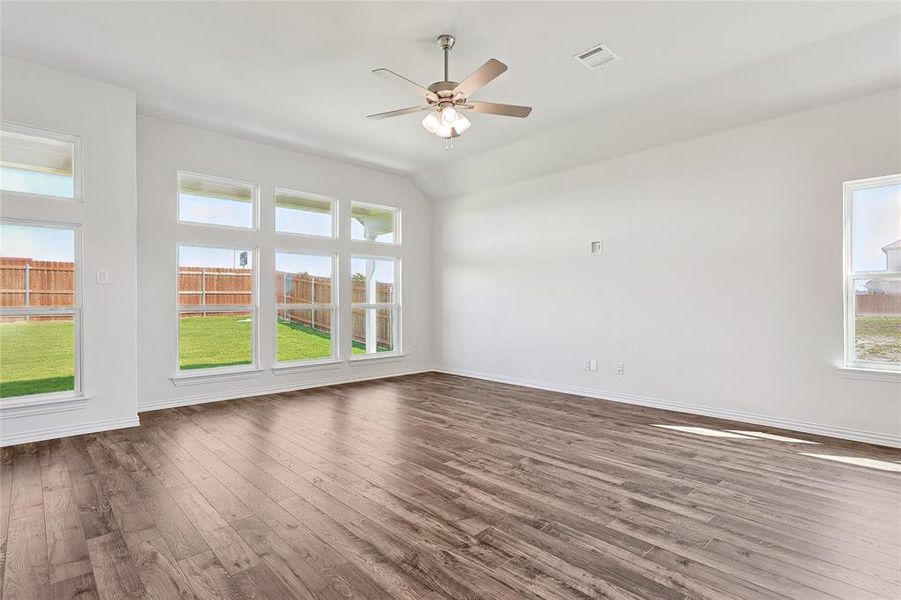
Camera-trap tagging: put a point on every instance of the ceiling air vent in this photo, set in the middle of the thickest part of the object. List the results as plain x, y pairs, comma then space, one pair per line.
597, 56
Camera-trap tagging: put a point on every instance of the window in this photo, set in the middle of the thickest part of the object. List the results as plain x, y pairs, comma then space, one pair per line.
39, 162
375, 314
305, 307
215, 201
304, 214
217, 307
873, 273
372, 223
39, 309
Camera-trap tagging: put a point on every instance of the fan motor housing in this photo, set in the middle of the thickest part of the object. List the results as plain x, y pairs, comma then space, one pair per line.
443, 88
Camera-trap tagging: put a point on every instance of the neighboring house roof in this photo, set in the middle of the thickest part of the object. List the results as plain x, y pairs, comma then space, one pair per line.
896, 245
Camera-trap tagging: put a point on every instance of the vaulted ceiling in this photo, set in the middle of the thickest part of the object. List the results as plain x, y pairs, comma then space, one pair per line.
297, 75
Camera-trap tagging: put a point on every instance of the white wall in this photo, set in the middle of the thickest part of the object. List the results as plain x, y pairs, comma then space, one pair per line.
720, 287
163, 149
104, 116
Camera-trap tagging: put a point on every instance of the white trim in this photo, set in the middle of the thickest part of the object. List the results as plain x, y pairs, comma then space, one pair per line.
52, 433
214, 375
358, 359
301, 366
869, 437
40, 404
273, 389
869, 374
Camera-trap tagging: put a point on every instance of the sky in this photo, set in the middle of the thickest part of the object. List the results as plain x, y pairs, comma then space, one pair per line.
38, 243
46, 184
875, 222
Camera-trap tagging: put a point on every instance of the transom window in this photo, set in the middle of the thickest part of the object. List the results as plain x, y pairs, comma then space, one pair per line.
40, 309
217, 307
305, 307
304, 214
212, 200
38, 162
373, 223
375, 312
873, 273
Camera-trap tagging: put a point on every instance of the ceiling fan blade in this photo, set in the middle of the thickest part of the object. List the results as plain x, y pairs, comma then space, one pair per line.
492, 108
410, 85
399, 112
480, 77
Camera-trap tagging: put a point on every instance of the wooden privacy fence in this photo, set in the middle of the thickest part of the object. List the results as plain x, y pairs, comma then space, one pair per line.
35, 283
226, 286
878, 304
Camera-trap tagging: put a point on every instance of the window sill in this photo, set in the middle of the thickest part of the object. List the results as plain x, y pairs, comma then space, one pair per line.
871, 374
360, 359
201, 378
301, 367
26, 406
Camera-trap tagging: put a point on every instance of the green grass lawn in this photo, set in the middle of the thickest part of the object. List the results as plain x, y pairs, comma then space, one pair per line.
37, 357
879, 339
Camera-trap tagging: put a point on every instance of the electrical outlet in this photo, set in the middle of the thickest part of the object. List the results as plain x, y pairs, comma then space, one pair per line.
102, 277
408, 350
620, 369
597, 247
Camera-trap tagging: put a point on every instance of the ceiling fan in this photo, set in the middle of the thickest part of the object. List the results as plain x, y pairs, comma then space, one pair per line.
446, 99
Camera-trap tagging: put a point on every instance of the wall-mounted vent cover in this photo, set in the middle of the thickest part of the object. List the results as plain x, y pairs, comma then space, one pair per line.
597, 56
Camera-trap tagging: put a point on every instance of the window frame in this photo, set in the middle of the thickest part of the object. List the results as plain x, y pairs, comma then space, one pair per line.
396, 307
850, 360
397, 223
76, 311
255, 201
334, 213
333, 306
254, 309
60, 136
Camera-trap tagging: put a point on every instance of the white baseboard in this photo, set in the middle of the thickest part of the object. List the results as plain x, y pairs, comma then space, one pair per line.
39, 435
844, 433
272, 389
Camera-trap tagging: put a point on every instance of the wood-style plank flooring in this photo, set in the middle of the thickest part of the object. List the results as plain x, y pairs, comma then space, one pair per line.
434, 486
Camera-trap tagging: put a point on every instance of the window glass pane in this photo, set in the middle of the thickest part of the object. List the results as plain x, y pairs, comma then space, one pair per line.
37, 266
877, 320
373, 330
37, 355
373, 223
303, 279
37, 165
304, 334
215, 276
876, 228
372, 281
215, 339
214, 201
303, 213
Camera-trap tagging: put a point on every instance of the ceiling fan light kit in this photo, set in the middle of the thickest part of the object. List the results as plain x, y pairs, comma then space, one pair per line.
446, 100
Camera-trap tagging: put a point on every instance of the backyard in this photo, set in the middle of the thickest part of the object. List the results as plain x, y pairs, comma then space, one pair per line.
37, 357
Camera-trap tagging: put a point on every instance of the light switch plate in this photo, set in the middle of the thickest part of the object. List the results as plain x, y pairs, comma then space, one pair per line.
102, 277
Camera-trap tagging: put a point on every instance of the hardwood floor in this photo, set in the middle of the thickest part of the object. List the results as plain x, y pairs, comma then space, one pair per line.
434, 486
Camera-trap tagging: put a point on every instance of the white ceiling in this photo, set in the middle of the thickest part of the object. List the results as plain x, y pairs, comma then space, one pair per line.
297, 74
